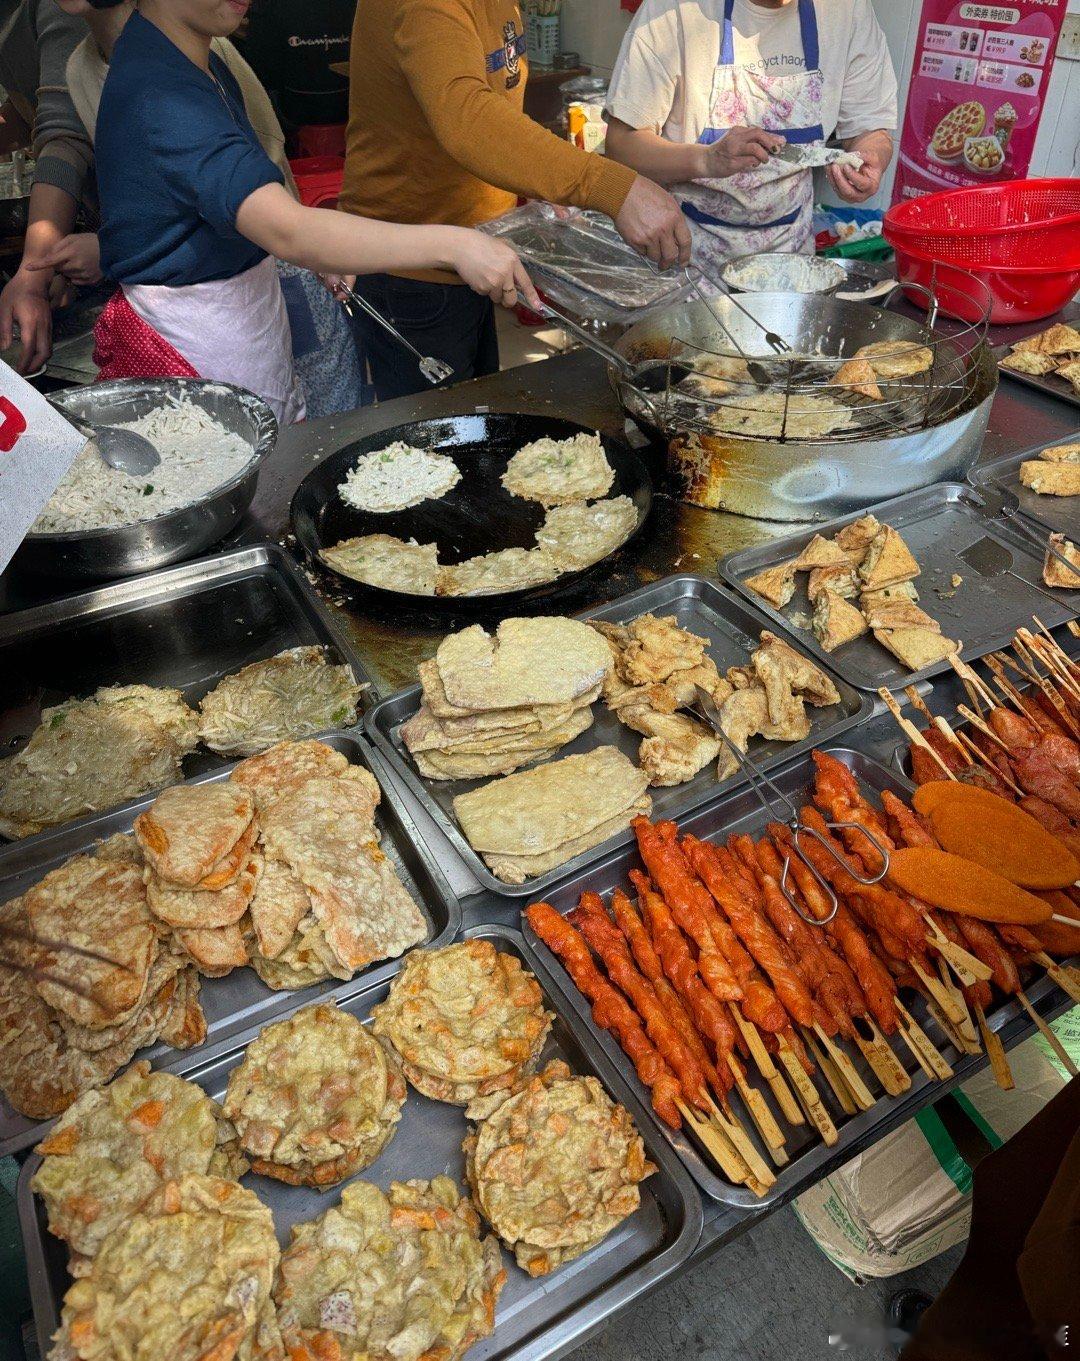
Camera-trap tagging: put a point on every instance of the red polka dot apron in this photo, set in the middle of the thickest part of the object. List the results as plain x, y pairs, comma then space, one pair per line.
770, 207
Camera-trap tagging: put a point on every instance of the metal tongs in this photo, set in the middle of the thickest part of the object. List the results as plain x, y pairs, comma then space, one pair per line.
763, 787
434, 370
1010, 510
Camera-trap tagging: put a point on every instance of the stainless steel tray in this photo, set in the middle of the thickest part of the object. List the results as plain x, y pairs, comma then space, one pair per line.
732, 628
1052, 384
535, 1318
949, 530
810, 1159
186, 626
1058, 513
241, 998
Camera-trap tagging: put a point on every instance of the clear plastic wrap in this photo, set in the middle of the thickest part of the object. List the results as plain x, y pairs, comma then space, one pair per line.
583, 264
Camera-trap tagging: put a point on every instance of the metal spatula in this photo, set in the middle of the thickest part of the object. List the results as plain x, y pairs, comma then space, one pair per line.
434, 370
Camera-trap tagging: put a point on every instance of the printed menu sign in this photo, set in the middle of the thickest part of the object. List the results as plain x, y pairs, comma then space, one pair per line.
976, 94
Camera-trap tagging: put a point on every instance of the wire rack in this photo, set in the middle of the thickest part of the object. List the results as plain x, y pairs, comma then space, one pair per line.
802, 398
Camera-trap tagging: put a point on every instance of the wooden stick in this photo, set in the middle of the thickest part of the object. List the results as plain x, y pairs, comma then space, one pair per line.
1061, 976
965, 673
1048, 690
942, 994
724, 1153
1047, 648
1047, 1034
885, 1065
1062, 676
963, 963
832, 1074
861, 1093
984, 727
942, 724
816, 1113
1005, 685
1074, 628
969, 1032
789, 1107
911, 732
1055, 647
762, 1117
995, 1051
733, 1130
984, 761
952, 1033
931, 1060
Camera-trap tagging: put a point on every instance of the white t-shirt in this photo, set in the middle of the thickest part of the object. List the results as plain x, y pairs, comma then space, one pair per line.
663, 76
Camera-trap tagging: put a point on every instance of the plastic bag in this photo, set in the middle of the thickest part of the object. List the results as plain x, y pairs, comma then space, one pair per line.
583, 264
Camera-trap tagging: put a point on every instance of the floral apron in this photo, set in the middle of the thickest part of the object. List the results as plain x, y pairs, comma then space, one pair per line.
770, 207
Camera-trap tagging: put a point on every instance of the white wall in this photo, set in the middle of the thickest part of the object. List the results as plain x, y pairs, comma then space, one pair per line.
595, 29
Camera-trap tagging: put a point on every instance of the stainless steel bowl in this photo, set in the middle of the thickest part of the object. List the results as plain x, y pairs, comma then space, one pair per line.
126, 550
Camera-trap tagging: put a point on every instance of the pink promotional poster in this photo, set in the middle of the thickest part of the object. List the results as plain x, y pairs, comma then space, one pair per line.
977, 88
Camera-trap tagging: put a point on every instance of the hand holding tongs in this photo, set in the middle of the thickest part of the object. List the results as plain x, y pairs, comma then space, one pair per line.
434, 370
706, 710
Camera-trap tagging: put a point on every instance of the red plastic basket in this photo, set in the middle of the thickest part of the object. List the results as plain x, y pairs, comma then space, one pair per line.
998, 225
318, 179
1019, 293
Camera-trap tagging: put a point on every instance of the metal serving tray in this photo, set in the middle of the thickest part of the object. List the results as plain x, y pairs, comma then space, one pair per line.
1058, 513
535, 1318
236, 1001
949, 530
186, 626
1051, 384
733, 630
810, 1159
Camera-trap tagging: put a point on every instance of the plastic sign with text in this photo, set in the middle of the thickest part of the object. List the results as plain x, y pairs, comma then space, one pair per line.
37, 447
978, 83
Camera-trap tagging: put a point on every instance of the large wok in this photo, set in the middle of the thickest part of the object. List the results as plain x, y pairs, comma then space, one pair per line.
934, 435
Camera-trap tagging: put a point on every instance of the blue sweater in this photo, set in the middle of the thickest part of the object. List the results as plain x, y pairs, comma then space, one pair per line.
176, 157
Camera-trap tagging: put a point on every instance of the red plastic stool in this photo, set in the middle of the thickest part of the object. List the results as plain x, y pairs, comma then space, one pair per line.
321, 139
318, 179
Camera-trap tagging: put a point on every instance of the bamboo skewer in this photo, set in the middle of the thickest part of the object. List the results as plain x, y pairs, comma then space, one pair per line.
995, 1051
911, 732
1063, 977
967, 675
984, 761
984, 727
883, 1062
1047, 1034
1070, 665
860, 1092
763, 1118
723, 1151
1048, 691
940, 991
832, 1074
763, 1059
816, 1113
926, 1052
961, 1043
936, 721
733, 1130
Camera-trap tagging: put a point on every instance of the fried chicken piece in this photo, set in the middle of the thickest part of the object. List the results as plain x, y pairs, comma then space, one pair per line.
658, 647
746, 714
781, 669
675, 748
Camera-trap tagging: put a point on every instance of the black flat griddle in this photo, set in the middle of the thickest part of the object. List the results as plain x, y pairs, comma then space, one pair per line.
477, 516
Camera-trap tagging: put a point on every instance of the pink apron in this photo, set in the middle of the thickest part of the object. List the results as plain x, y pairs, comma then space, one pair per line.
771, 207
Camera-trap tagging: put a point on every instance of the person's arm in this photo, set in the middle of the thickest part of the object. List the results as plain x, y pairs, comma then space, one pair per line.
444, 62
677, 162
856, 186
25, 298
61, 147
329, 242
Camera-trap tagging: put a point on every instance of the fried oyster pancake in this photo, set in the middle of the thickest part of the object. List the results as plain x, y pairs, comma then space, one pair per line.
99, 905
91, 754
324, 832
111, 1150
554, 1166
188, 1278
302, 962
465, 1021
315, 1099
189, 830
294, 694
195, 907
392, 1277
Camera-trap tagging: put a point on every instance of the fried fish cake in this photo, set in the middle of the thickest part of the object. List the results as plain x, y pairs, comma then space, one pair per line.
300, 964
188, 1278
315, 1099
466, 1020
111, 1150
190, 829
99, 905
214, 950
194, 907
554, 1166
294, 694
390, 1277
285, 767
324, 832
279, 906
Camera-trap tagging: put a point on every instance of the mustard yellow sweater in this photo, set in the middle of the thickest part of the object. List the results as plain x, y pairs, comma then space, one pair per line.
437, 131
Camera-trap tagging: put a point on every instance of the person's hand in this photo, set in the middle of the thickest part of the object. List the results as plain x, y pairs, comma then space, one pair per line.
651, 221
338, 285
492, 269
855, 185
24, 302
77, 257
739, 149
